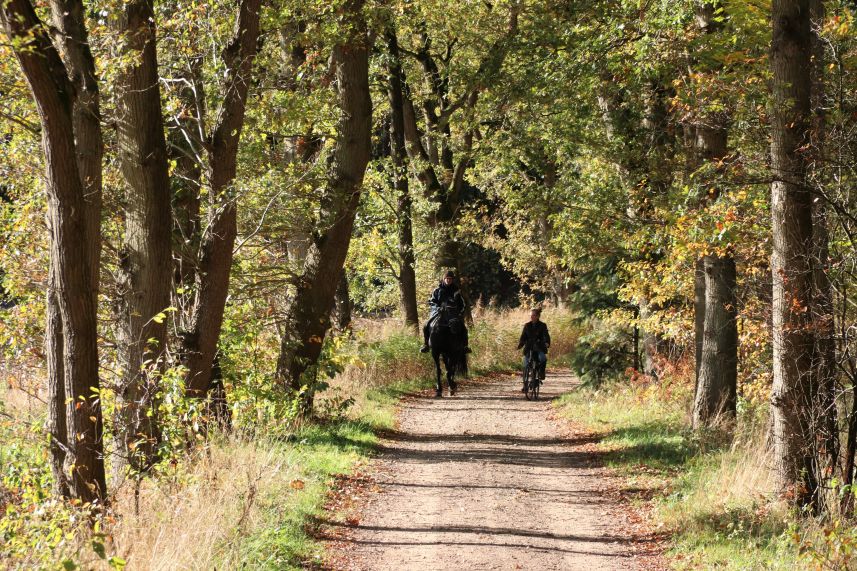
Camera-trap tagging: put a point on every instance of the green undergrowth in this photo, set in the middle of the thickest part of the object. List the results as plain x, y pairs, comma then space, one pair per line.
706, 490
280, 537
251, 499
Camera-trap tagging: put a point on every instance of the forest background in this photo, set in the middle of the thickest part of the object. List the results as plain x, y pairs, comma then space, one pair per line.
207, 206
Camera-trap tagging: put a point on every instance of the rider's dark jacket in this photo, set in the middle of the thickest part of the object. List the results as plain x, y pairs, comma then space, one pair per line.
446, 295
535, 336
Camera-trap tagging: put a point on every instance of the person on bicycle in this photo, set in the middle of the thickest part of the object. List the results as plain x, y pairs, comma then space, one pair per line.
447, 293
535, 338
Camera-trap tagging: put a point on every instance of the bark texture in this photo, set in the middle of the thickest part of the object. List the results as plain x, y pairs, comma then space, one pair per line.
54, 349
307, 317
794, 389
146, 257
717, 387
342, 305
698, 314
823, 307
215, 263
71, 39
71, 274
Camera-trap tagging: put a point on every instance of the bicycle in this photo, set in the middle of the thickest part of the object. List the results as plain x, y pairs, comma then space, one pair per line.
531, 376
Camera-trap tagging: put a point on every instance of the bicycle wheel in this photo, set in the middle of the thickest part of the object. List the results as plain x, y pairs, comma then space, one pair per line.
527, 383
532, 382
538, 383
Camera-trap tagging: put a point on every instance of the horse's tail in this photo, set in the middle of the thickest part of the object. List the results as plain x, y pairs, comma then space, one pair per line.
461, 369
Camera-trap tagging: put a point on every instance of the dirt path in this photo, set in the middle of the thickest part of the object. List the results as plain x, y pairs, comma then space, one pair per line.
485, 480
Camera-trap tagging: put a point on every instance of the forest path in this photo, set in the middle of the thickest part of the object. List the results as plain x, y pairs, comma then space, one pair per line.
485, 480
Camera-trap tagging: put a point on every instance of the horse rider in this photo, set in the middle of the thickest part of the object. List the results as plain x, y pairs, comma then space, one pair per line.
447, 293
535, 337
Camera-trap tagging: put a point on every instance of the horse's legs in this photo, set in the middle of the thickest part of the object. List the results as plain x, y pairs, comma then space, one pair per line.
438, 386
449, 361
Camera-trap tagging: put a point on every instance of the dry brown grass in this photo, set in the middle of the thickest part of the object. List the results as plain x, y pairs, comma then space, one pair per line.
21, 389
741, 478
197, 516
493, 337
196, 520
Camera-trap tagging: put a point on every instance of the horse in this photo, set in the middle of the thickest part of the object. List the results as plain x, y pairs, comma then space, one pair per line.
447, 340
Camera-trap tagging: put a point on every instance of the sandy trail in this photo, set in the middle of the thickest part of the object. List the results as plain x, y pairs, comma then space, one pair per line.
486, 480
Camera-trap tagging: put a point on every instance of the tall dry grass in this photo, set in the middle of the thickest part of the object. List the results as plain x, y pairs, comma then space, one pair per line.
739, 477
204, 511
389, 352
197, 519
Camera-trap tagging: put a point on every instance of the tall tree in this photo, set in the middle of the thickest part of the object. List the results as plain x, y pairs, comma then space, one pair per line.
717, 350
63, 105
307, 316
794, 389
823, 308
440, 169
199, 343
73, 45
146, 256
407, 274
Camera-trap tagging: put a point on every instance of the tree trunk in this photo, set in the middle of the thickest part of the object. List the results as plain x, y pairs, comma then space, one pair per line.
217, 406
5, 299
823, 315
635, 343
698, 313
794, 389
650, 341
146, 257
847, 502
407, 273
717, 338
72, 266
307, 316
68, 19
342, 305
718, 374
215, 264
56, 384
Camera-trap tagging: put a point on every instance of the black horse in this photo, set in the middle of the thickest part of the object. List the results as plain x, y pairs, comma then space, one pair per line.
447, 340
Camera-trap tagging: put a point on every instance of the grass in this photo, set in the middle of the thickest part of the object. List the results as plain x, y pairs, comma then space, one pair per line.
709, 492
241, 502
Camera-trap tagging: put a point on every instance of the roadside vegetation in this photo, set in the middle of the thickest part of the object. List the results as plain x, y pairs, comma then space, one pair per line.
709, 492
248, 498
